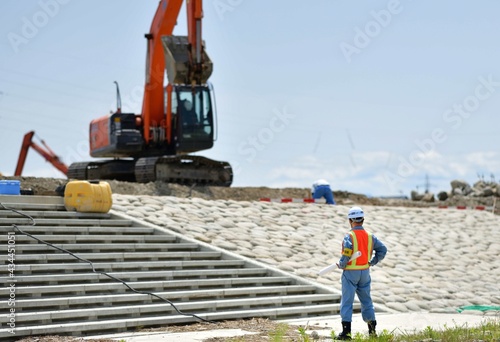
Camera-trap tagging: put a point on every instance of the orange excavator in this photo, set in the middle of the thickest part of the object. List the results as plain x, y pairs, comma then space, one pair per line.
44, 151
176, 119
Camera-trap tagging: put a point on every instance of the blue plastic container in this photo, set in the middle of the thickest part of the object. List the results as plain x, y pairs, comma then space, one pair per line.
10, 187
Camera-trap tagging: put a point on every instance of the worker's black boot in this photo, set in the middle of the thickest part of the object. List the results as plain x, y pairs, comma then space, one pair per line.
346, 331
371, 328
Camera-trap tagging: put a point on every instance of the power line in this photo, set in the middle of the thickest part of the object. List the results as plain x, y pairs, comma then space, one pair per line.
53, 91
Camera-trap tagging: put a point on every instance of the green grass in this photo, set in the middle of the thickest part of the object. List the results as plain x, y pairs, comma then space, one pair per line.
489, 331
278, 333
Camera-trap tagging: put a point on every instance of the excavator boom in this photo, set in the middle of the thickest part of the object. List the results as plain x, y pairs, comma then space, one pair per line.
44, 151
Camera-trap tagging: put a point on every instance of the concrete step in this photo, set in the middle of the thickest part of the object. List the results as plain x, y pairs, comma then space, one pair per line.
8, 222
45, 291
148, 310
121, 266
52, 203
49, 230
98, 247
54, 279
111, 256
74, 302
39, 214
79, 239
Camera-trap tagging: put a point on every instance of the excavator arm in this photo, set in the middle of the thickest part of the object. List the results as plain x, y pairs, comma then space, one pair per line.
198, 60
44, 151
153, 105
184, 59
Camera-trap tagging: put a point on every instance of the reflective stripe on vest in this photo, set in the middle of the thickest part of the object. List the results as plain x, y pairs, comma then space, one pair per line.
365, 246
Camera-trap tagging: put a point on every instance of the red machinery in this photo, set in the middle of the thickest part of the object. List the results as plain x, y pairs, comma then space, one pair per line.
44, 150
176, 120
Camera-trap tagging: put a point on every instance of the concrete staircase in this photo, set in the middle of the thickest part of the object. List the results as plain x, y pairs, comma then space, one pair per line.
55, 293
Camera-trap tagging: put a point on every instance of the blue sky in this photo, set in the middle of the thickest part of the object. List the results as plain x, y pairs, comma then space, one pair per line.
372, 96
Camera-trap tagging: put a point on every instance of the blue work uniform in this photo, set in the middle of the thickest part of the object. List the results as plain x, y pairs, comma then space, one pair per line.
358, 281
321, 189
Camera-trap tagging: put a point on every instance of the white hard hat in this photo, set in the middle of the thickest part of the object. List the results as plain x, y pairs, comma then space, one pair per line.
356, 213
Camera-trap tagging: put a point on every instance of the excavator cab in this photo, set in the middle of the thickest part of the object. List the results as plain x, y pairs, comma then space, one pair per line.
192, 113
193, 117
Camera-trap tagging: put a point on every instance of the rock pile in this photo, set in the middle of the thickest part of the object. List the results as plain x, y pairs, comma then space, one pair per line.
480, 189
462, 191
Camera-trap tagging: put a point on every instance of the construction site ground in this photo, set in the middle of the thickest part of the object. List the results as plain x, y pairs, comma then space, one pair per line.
260, 329
48, 186
257, 329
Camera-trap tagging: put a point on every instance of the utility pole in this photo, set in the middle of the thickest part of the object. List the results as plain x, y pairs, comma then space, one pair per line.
427, 184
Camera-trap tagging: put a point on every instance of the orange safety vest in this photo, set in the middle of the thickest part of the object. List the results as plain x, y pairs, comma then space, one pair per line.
361, 241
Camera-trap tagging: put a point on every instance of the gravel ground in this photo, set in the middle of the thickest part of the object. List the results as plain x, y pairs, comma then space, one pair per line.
265, 329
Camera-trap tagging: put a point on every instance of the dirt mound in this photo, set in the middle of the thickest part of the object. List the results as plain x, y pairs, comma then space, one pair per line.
48, 186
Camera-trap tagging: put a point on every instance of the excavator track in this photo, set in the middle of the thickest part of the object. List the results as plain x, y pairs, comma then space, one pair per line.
187, 170
119, 169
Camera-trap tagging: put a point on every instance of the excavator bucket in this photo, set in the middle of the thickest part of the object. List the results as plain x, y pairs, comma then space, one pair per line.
180, 70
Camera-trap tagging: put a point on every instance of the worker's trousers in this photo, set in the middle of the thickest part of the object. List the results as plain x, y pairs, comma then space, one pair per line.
324, 191
356, 282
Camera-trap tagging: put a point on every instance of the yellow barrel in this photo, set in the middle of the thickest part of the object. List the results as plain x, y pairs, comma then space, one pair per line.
88, 197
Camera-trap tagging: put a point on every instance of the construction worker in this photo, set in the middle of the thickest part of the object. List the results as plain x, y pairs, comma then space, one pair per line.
189, 114
356, 275
321, 188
